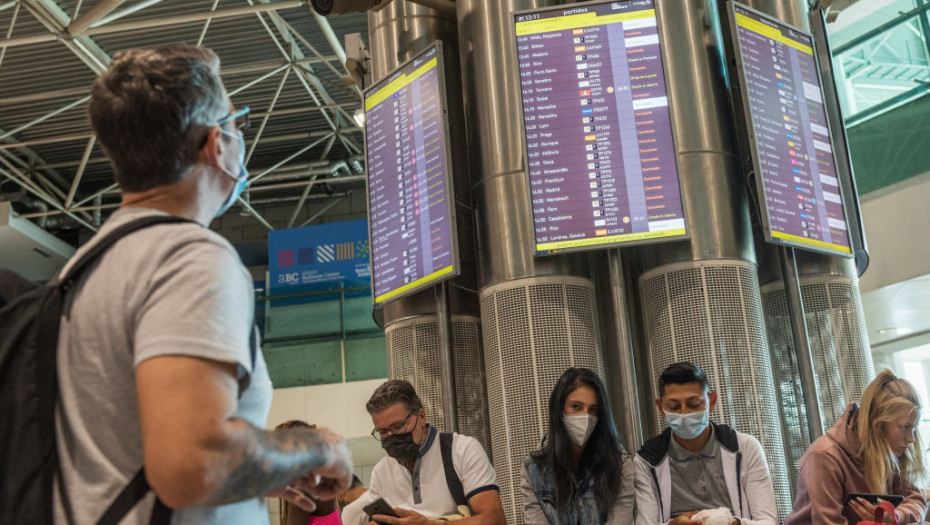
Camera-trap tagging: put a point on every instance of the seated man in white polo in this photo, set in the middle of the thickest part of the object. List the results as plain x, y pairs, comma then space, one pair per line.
414, 478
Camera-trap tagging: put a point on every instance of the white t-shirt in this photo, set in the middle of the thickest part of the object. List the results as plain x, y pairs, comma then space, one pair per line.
172, 289
425, 489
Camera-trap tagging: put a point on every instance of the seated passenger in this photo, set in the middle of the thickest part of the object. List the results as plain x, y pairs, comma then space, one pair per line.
873, 448
413, 477
325, 512
581, 475
693, 465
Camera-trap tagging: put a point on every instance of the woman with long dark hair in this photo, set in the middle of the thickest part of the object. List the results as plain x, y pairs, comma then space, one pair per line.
581, 475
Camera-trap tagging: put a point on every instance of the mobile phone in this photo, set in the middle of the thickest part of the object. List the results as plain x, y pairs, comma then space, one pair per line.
379, 506
873, 498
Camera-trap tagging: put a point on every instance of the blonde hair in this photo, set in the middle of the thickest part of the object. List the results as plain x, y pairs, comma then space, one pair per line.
883, 401
284, 507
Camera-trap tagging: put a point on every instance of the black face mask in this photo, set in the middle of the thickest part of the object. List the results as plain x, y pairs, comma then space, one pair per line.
401, 447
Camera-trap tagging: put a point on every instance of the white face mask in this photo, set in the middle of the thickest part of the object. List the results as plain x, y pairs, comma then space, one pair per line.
580, 427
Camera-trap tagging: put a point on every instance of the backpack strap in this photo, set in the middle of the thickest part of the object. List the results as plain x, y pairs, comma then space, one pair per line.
138, 487
131, 494
109, 240
452, 479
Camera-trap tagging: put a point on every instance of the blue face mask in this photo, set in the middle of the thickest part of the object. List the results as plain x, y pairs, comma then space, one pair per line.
687, 426
241, 180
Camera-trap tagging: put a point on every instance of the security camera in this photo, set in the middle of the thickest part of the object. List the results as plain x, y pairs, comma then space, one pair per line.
358, 61
338, 7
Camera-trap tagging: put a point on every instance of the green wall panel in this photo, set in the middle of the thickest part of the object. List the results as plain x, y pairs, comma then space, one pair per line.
320, 318
891, 147
366, 358
358, 314
309, 319
304, 364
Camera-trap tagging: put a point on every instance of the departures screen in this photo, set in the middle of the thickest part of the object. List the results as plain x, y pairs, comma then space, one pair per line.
411, 219
599, 146
790, 137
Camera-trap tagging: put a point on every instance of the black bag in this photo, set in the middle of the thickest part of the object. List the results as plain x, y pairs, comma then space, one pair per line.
30, 317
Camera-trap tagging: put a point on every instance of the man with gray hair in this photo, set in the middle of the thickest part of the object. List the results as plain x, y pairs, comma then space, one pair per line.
427, 475
157, 364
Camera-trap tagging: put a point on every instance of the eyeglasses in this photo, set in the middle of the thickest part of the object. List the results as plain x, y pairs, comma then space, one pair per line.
396, 428
244, 113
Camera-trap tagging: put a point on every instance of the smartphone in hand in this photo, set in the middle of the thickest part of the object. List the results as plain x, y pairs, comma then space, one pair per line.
379, 506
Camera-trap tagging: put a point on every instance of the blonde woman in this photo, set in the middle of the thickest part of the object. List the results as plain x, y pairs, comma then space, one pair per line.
873, 448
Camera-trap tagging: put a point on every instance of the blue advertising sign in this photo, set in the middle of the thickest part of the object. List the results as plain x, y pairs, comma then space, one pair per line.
320, 257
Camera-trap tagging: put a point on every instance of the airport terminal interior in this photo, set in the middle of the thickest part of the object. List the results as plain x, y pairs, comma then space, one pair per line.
475, 195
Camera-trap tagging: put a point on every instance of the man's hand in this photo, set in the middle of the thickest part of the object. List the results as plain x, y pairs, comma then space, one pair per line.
686, 519
326, 482
405, 517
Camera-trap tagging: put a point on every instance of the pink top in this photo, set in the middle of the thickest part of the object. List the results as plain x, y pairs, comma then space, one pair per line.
329, 519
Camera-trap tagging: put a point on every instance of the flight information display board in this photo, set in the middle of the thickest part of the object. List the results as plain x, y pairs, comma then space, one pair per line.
599, 147
792, 152
410, 204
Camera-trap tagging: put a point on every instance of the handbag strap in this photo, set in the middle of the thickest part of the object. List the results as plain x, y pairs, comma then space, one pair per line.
885, 507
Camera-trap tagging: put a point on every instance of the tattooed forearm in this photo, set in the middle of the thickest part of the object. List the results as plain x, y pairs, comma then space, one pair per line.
265, 461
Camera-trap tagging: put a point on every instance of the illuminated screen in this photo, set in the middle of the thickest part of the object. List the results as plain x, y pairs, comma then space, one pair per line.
411, 219
789, 134
599, 146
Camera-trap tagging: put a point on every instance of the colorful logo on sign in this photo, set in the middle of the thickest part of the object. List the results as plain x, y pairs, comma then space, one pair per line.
324, 257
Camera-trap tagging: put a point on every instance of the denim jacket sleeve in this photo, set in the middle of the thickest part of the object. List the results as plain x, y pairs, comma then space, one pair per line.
533, 514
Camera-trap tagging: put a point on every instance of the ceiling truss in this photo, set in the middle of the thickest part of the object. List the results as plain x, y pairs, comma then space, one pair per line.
304, 147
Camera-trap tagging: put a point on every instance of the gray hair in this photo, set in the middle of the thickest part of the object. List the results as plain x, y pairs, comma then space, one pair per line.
151, 110
392, 392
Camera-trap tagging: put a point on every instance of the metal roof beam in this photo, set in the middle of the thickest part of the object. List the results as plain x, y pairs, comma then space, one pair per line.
95, 13
17, 176
124, 12
49, 14
149, 24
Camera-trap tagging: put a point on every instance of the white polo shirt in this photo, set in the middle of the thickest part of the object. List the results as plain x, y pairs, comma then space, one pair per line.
425, 490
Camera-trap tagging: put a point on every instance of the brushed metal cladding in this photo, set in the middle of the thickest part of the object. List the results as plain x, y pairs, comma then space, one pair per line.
833, 310
715, 202
397, 33
842, 362
401, 30
503, 212
538, 315
413, 355
710, 313
534, 329
614, 289
793, 12
835, 318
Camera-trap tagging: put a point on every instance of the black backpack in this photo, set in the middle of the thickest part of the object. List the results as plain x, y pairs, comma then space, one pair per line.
30, 317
